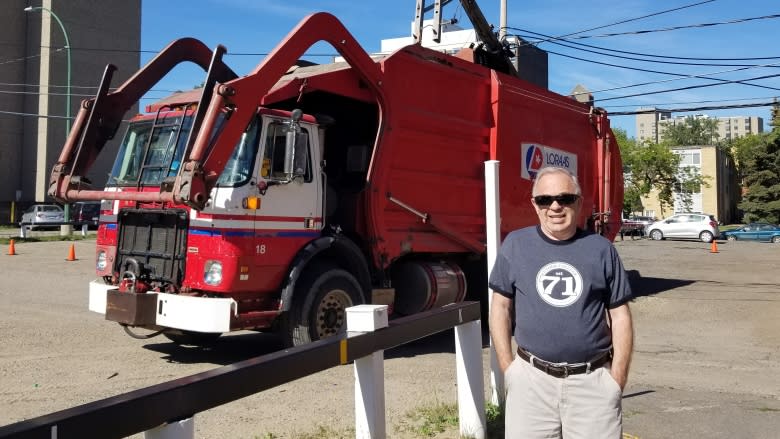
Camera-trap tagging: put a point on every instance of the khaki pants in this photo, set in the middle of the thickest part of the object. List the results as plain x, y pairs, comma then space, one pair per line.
583, 406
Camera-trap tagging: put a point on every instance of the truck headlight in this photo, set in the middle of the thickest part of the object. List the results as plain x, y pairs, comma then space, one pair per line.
102, 261
212, 273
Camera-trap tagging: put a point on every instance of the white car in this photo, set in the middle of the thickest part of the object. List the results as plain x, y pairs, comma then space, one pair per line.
42, 215
685, 226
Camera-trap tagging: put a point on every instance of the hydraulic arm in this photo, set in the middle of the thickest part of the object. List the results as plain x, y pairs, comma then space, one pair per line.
99, 117
240, 98
224, 93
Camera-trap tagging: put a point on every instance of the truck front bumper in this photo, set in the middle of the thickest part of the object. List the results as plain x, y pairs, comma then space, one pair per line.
188, 313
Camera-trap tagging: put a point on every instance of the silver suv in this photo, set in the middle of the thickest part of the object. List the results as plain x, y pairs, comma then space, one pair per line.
685, 225
42, 215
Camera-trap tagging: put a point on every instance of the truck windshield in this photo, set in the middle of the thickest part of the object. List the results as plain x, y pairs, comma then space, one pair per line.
138, 165
162, 158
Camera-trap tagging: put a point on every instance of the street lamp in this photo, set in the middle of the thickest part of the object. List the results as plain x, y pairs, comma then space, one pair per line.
66, 229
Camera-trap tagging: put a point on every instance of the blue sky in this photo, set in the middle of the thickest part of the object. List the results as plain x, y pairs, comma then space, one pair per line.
257, 26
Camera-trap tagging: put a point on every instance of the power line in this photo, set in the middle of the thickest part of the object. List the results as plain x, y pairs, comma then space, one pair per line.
667, 29
723, 81
16, 84
666, 104
9, 92
597, 48
100, 49
11, 61
691, 87
11, 84
633, 19
42, 116
704, 108
45, 116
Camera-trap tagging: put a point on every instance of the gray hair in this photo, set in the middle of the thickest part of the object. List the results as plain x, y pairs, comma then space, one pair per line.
553, 170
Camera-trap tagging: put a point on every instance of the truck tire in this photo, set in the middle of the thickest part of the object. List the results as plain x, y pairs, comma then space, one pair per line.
319, 306
191, 338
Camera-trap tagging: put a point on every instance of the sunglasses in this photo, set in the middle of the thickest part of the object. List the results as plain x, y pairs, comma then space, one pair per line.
562, 199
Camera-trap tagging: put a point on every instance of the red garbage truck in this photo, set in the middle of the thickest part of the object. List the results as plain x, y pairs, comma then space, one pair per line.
275, 200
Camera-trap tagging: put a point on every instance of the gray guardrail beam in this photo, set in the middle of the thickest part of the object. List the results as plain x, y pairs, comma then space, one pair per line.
140, 410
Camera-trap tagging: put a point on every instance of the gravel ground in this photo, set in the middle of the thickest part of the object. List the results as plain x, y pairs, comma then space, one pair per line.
706, 363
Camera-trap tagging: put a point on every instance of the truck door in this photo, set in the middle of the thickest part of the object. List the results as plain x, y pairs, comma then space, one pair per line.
290, 210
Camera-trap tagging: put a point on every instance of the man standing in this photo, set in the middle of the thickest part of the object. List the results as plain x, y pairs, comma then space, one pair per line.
567, 293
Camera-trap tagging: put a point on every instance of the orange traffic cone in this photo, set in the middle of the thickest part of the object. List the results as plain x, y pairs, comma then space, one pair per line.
11, 249
72, 253
714, 247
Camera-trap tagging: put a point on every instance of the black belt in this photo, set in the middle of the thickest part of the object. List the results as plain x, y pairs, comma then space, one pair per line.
562, 370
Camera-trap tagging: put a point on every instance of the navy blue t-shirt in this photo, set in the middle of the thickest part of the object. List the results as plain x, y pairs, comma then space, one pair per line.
561, 291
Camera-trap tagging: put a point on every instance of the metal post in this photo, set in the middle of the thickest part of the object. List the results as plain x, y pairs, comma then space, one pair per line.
493, 223
184, 429
369, 374
471, 389
502, 22
66, 229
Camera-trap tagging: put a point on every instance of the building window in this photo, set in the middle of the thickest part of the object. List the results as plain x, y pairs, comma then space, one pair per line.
690, 158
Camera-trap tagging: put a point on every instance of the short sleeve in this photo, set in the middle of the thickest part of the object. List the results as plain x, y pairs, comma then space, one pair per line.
620, 288
500, 281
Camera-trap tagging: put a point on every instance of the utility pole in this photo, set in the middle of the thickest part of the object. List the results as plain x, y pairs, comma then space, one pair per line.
502, 22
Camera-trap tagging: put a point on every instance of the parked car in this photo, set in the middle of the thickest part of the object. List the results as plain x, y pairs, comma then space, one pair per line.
85, 212
754, 232
686, 226
636, 225
42, 215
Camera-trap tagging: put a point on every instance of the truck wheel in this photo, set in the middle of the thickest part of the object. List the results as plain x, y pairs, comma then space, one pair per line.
319, 306
191, 338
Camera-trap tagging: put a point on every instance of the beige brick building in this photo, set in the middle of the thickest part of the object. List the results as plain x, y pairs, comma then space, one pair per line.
719, 198
33, 83
651, 125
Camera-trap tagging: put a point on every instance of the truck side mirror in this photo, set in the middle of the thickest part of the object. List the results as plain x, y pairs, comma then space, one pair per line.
296, 152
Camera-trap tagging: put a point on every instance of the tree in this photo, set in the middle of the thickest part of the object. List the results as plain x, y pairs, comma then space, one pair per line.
632, 198
744, 148
762, 177
653, 166
646, 167
692, 131
775, 112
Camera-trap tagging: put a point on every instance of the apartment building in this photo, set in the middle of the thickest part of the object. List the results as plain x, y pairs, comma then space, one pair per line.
719, 196
651, 124
36, 67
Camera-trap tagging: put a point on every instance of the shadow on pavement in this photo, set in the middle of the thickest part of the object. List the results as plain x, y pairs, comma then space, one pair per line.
227, 349
648, 286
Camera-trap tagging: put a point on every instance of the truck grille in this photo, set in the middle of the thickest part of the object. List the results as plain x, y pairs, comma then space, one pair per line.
156, 239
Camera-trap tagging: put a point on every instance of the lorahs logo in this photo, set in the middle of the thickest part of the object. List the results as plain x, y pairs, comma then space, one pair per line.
535, 157
533, 160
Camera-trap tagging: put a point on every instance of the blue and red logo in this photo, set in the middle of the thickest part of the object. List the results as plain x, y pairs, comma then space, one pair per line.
534, 160
535, 157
